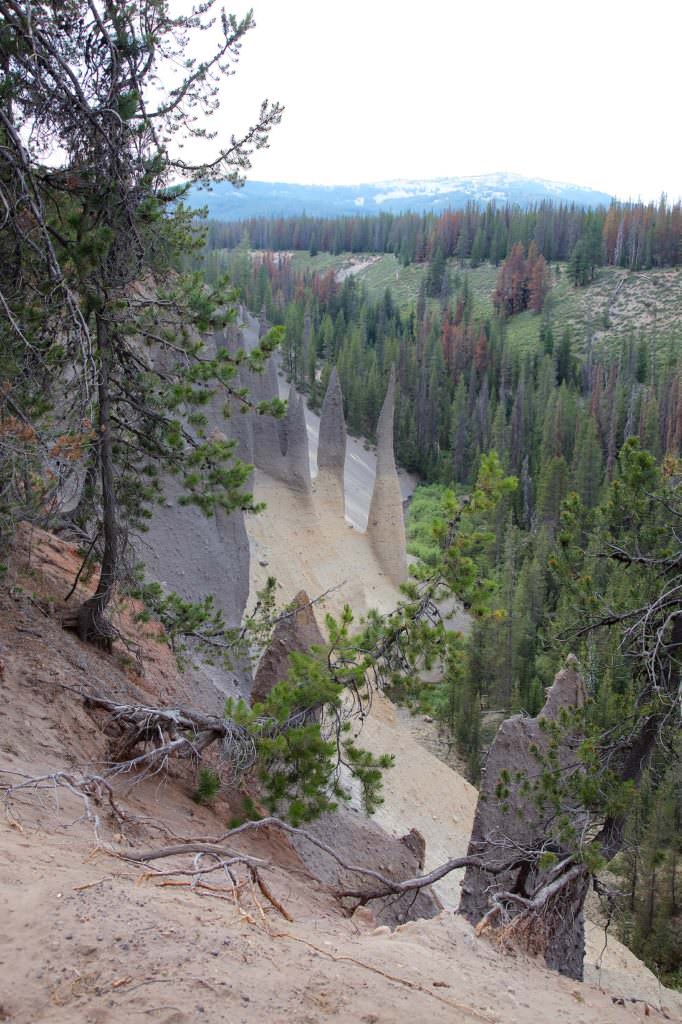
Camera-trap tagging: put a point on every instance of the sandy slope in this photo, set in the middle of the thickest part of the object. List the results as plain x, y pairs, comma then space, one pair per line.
306, 548
87, 938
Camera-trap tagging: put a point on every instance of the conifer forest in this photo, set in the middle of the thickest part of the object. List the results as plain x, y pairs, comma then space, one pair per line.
261, 476
586, 420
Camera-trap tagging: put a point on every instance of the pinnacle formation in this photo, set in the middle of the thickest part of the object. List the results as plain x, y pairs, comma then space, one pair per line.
516, 822
385, 526
280, 447
297, 631
331, 450
267, 449
297, 456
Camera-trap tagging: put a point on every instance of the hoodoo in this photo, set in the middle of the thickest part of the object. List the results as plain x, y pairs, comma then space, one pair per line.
385, 526
297, 456
331, 450
267, 451
297, 631
503, 829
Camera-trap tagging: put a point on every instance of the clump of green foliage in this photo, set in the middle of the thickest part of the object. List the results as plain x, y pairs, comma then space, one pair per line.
208, 786
302, 733
427, 507
198, 628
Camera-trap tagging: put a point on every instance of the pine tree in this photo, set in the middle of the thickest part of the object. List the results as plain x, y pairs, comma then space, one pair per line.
87, 77
589, 463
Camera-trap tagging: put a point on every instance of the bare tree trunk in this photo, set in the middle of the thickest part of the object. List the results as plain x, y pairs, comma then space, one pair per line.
92, 625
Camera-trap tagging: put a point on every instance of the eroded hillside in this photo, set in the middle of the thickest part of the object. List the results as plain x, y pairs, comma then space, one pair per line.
89, 935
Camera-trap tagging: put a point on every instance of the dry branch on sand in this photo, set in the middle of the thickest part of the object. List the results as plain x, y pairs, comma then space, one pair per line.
95, 791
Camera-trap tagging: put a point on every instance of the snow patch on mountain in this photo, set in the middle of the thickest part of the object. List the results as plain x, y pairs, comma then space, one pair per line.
280, 199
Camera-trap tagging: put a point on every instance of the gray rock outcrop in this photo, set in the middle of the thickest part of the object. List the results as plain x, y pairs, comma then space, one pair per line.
196, 555
298, 631
509, 819
360, 841
267, 444
297, 458
385, 526
238, 425
280, 447
331, 448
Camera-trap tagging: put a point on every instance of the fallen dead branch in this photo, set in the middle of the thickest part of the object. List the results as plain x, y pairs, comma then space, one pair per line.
91, 885
388, 886
94, 791
270, 896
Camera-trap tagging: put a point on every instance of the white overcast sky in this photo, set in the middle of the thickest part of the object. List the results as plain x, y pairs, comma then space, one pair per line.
583, 92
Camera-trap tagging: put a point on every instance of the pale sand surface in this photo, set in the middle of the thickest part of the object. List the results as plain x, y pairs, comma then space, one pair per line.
310, 549
89, 938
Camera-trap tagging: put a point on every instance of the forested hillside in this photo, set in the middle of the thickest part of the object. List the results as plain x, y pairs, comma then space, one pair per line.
633, 235
527, 366
576, 388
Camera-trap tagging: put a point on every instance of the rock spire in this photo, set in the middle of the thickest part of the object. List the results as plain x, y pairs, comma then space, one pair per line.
503, 826
297, 459
331, 449
385, 526
298, 631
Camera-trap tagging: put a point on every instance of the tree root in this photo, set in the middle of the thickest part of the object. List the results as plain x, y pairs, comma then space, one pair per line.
93, 790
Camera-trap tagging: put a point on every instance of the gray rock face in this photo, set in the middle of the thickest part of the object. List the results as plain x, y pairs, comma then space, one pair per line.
504, 826
385, 526
267, 447
196, 555
331, 449
238, 425
298, 632
416, 843
297, 459
362, 842
280, 447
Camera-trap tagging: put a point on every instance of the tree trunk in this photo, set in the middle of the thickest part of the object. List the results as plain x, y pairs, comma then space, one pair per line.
92, 625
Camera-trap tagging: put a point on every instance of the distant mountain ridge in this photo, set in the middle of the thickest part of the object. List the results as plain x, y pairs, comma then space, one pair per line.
434, 195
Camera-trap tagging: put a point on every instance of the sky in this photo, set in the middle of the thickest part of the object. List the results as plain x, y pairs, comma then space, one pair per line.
581, 92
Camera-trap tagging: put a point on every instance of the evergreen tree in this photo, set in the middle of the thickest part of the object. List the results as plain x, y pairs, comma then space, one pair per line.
88, 78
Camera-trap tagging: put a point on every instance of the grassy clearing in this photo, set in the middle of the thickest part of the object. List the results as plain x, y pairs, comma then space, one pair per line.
616, 304
320, 263
388, 272
481, 285
523, 332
